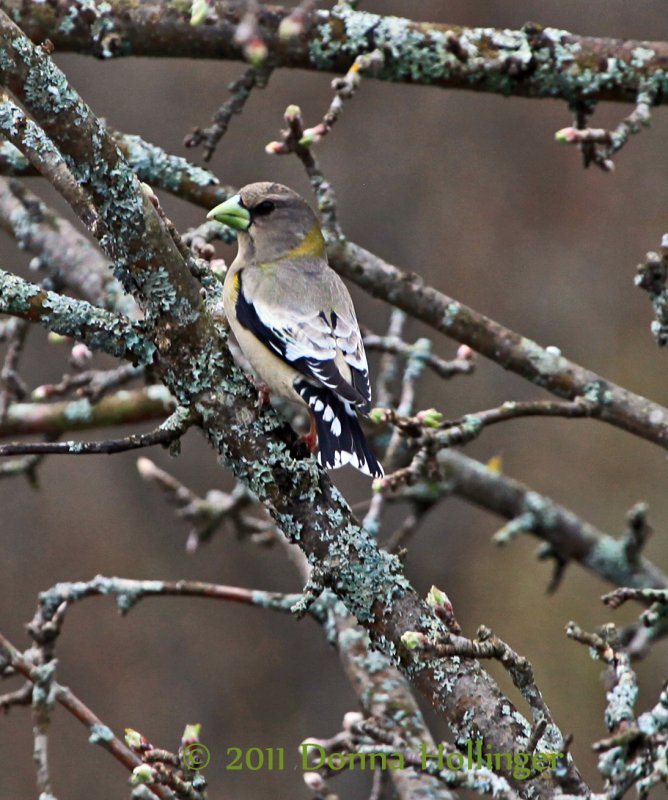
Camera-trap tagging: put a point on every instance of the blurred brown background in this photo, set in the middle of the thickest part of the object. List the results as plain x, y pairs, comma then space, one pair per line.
472, 192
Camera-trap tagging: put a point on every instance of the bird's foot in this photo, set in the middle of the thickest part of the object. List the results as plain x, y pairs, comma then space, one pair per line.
263, 395
311, 438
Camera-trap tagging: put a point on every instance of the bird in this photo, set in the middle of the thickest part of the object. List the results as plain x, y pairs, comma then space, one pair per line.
294, 319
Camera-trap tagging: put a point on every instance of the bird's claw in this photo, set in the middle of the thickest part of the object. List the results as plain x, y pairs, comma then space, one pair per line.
263, 395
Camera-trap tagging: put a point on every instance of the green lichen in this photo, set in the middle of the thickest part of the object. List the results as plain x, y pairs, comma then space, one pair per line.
546, 363
79, 411
542, 509
598, 393
100, 734
158, 289
641, 56
450, 314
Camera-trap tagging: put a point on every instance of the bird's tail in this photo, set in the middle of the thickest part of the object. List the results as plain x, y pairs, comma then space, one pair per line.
340, 435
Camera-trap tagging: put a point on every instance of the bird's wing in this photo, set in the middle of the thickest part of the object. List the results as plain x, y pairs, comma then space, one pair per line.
349, 341
308, 342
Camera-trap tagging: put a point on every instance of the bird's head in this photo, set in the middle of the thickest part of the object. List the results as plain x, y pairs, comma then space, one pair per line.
274, 223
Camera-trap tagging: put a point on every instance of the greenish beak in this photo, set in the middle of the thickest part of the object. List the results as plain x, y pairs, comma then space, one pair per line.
231, 213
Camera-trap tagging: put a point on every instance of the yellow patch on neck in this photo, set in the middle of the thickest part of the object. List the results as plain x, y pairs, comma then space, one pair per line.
313, 244
233, 286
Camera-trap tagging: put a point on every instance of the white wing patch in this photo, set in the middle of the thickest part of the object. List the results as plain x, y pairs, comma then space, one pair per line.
349, 342
315, 341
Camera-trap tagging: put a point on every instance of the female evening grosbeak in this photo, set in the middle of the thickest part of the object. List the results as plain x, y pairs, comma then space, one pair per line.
294, 319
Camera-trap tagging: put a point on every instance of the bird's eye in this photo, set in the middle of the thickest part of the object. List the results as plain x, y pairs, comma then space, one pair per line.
264, 208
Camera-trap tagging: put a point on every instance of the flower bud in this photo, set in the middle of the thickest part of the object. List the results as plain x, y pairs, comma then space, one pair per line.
256, 51
436, 597
351, 719
465, 352
191, 734
314, 781
431, 418
413, 640
144, 773
80, 355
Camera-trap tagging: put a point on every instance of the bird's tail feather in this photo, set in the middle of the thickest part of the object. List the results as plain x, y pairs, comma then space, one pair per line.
340, 435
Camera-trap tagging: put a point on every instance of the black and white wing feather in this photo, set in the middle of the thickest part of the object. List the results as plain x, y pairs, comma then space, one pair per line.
310, 343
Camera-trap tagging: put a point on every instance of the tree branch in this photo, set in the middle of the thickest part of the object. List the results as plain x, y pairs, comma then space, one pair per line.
569, 536
171, 429
510, 350
531, 62
100, 733
513, 352
54, 419
100, 330
60, 248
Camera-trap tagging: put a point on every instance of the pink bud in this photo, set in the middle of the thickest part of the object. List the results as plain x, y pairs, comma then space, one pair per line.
352, 718
314, 781
256, 51
80, 355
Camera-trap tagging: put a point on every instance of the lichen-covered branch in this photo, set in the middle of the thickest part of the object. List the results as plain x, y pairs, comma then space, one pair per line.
151, 163
127, 219
171, 173
510, 350
634, 755
569, 537
53, 419
40, 152
385, 695
531, 62
513, 352
59, 247
100, 733
129, 592
99, 329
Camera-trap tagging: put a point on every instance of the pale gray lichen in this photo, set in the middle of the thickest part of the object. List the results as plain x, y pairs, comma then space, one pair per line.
598, 393
641, 56
79, 411
450, 314
100, 734
545, 362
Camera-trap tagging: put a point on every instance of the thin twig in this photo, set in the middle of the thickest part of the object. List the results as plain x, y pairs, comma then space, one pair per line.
19, 697
390, 344
240, 90
172, 429
599, 145
216, 509
100, 733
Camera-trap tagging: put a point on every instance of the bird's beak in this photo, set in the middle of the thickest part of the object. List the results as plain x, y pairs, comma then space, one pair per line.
233, 213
